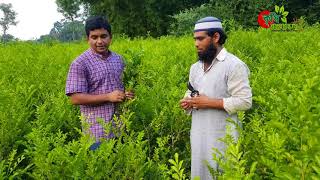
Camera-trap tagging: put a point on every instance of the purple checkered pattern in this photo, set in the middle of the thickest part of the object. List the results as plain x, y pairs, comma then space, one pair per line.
93, 74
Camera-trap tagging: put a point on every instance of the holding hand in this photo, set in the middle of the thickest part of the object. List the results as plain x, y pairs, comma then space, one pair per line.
129, 94
116, 96
200, 102
185, 103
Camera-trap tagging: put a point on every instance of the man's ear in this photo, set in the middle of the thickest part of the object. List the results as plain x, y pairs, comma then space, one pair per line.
216, 37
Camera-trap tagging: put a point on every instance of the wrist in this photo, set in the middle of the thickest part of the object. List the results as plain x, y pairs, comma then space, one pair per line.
107, 97
210, 103
215, 103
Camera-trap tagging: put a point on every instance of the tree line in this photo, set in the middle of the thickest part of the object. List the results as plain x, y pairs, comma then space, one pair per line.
162, 17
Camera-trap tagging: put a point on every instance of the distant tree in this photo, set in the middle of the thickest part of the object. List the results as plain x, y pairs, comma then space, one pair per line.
9, 18
132, 17
71, 11
69, 8
67, 31
7, 38
56, 30
47, 39
154, 17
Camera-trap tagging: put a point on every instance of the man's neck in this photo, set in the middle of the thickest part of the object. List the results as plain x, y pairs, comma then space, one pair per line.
105, 54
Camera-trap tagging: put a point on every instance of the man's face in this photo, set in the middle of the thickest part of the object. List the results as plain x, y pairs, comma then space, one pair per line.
99, 40
205, 46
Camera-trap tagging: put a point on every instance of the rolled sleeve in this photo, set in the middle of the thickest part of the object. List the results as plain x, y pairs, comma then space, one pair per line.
239, 89
76, 80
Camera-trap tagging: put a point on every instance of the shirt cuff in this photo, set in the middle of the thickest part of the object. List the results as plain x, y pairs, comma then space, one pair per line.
228, 105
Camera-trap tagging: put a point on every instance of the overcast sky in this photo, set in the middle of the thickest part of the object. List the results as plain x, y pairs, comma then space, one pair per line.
36, 18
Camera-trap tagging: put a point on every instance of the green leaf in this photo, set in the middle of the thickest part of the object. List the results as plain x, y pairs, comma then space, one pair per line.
196, 178
285, 13
283, 19
253, 167
316, 169
281, 9
175, 176
176, 157
276, 8
180, 164
172, 162
175, 169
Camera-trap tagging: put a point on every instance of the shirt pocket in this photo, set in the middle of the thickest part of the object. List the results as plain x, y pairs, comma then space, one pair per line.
114, 75
98, 79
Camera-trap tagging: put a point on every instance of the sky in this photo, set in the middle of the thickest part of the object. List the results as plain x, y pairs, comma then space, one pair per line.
35, 18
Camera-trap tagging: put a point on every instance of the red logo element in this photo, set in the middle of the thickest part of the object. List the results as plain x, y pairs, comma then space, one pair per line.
262, 21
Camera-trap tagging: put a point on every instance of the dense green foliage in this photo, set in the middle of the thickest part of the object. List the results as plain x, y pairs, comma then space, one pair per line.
141, 17
156, 18
243, 13
40, 134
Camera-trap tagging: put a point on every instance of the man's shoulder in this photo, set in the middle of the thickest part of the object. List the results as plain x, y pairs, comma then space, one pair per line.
116, 56
235, 64
233, 60
82, 57
196, 65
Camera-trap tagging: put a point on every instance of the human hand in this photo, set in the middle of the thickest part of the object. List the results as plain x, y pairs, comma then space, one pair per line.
199, 102
185, 103
129, 94
116, 96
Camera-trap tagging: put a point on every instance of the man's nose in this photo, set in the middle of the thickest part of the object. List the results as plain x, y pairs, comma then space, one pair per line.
196, 43
99, 40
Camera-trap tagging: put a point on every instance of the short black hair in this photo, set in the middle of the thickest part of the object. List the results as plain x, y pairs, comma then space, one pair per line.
97, 22
223, 36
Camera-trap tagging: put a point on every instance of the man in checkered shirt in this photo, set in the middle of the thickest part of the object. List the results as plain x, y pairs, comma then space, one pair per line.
95, 78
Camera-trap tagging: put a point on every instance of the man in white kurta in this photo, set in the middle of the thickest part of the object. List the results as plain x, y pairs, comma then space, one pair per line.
222, 81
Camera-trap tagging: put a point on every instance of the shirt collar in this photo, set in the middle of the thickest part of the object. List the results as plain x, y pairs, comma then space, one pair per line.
222, 55
94, 54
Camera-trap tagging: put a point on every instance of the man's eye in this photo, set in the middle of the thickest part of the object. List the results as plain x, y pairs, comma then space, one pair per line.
94, 37
104, 36
199, 38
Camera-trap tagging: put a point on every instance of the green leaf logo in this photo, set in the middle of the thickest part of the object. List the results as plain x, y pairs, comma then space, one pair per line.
283, 19
277, 9
282, 12
281, 9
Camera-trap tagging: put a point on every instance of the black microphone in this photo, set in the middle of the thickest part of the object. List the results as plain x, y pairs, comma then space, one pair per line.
193, 91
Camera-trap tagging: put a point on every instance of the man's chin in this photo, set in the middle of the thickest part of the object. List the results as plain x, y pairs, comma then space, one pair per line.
101, 50
201, 57
200, 54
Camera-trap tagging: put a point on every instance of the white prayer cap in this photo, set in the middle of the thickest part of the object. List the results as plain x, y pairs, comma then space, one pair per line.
208, 24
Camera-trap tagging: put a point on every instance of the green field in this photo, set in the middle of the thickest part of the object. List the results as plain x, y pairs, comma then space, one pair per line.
40, 131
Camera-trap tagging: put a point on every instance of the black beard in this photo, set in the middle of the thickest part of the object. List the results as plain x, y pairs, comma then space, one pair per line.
208, 55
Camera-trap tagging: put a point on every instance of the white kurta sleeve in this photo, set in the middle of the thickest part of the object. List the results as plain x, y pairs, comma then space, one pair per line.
239, 89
